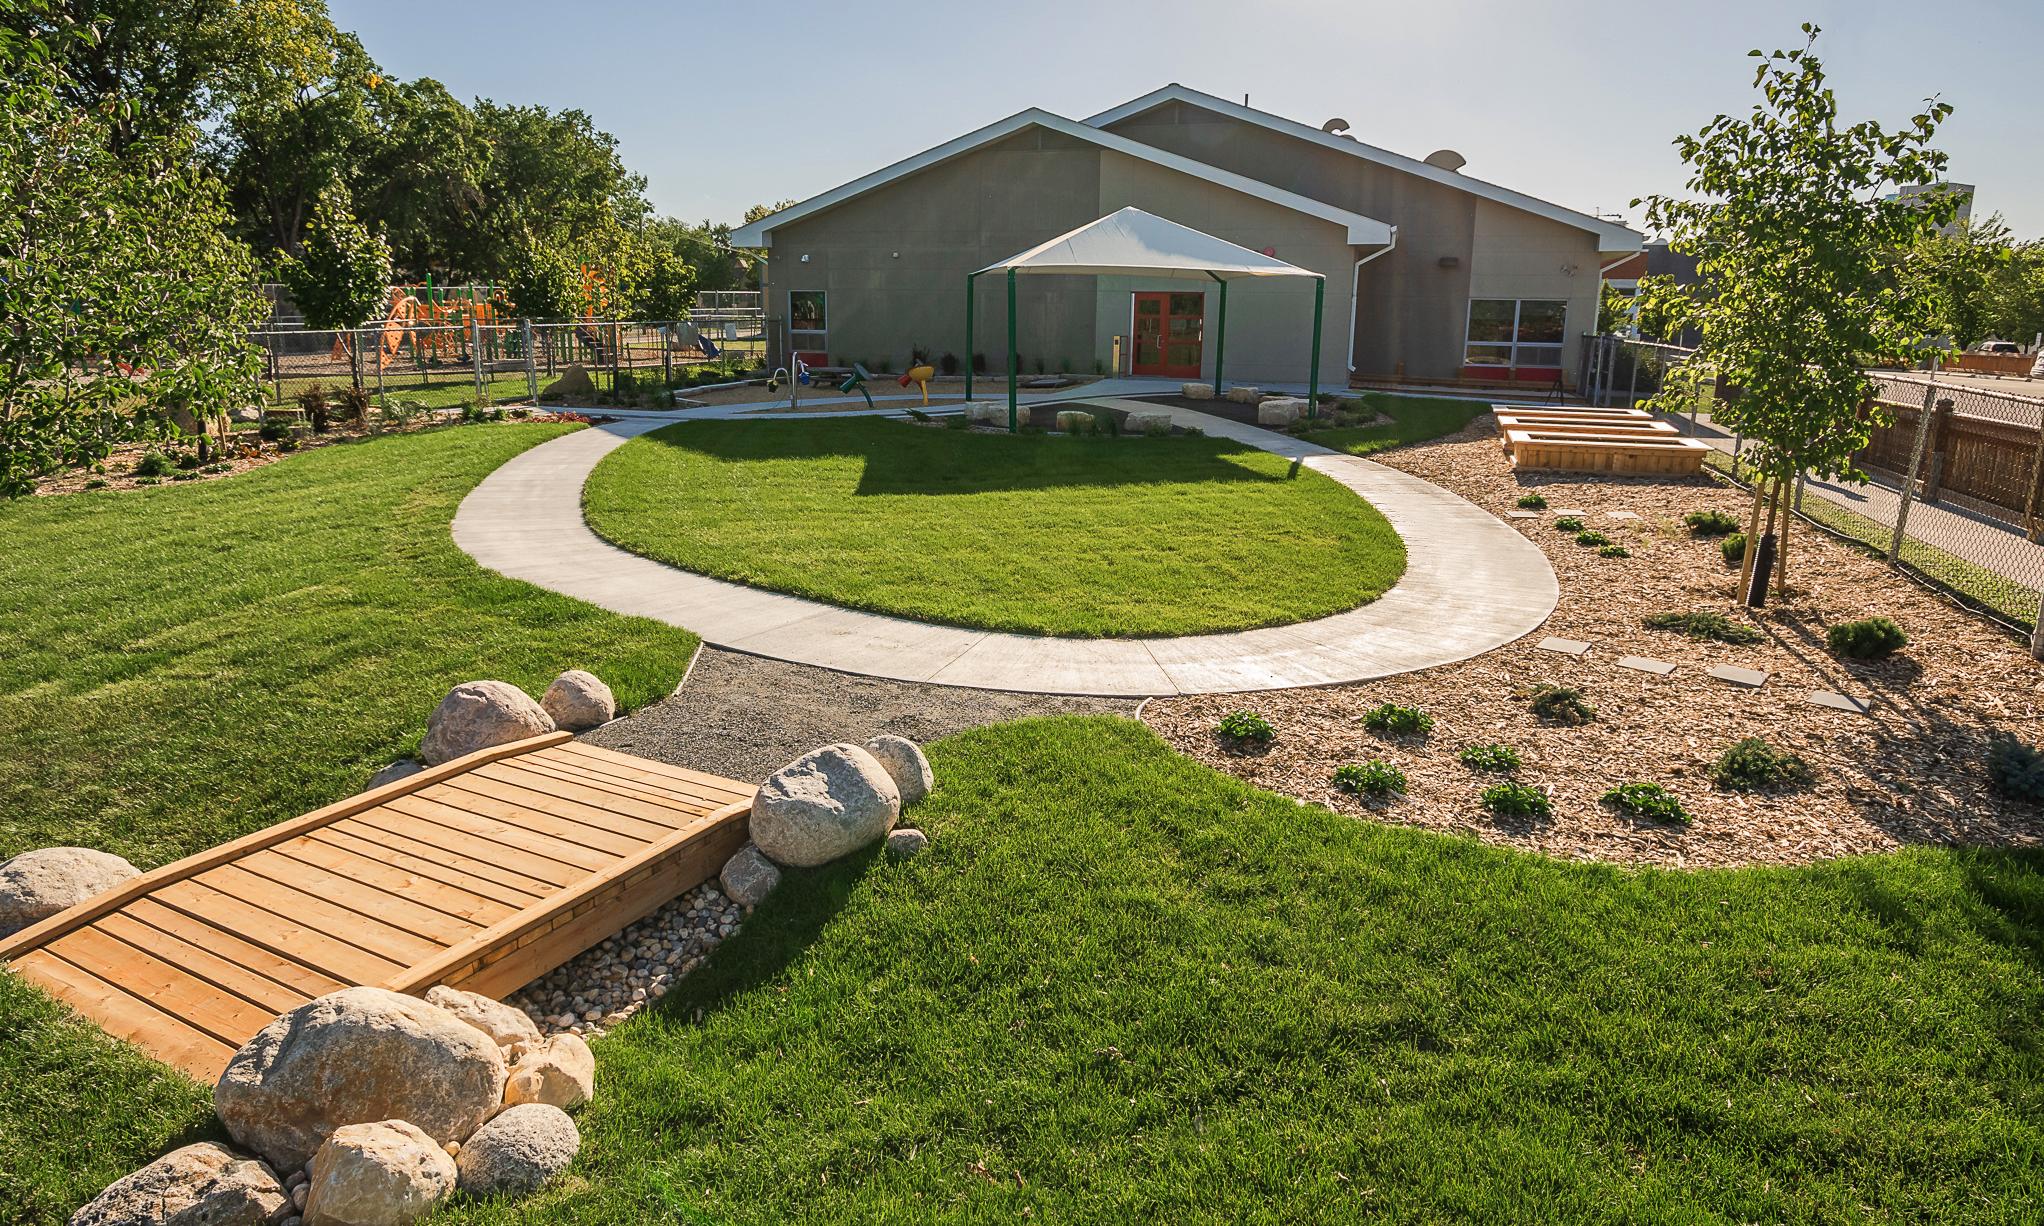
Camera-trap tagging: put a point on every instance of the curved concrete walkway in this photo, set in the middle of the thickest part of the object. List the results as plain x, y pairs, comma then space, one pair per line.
1471, 583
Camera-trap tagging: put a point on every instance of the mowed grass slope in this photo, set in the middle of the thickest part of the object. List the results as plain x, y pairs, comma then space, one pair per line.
1030, 533
1414, 419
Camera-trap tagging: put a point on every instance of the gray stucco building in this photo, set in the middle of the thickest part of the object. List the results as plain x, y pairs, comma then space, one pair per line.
1430, 274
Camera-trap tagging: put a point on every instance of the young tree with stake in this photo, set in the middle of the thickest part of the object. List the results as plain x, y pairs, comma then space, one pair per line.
1796, 231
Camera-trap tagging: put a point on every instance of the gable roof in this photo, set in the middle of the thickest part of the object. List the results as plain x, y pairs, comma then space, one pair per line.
1611, 236
1362, 231
1131, 241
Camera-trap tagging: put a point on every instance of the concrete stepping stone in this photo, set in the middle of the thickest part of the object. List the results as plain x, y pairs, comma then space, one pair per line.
1522, 515
1751, 678
1623, 514
1839, 702
1567, 647
1565, 512
1647, 664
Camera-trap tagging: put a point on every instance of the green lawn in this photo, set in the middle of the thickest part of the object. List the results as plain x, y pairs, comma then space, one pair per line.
1415, 419
1031, 533
186, 663
1123, 987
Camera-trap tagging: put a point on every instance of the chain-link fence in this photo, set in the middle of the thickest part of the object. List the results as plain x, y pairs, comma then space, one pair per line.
1955, 493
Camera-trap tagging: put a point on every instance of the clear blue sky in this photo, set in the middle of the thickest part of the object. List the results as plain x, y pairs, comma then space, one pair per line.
721, 106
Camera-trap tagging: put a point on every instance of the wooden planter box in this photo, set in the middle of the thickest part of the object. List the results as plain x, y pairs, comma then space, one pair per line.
1508, 426
1640, 453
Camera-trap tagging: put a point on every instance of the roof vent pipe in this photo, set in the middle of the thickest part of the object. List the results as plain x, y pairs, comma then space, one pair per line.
1337, 127
1446, 159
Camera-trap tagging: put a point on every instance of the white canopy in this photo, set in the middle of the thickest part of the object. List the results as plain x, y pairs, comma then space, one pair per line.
1131, 241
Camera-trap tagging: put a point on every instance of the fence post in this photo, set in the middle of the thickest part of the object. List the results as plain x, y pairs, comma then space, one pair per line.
1797, 503
1930, 391
1632, 384
2036, 477
531, 368
1940, 441
475, 351
667, 355
2037, 634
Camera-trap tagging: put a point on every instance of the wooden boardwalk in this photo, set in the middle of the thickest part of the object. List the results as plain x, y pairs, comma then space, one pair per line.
483, 873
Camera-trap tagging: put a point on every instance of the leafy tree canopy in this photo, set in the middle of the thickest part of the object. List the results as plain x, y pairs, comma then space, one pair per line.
341, 271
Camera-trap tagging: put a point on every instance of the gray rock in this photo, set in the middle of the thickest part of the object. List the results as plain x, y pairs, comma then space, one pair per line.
560, 1072
901, 844
749, 876
403, 768
1280, 411
507, 1025
519, 1151
987, 413
200, 1185
357, 1056
825, 804
1148, 423
247, 413
1245, 395
478, 714
1074, 421
388, 1173
573, 383
579, 701
1196, 391
38, 884
905, 764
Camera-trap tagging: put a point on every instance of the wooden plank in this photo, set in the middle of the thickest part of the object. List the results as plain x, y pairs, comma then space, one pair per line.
124, 1016
384, 939
165, 985
638, 767
222, 973
191, 866
524, 816
283, 937
490, 880
369, 901
687, 790
571, 860
674, 802
378, 867
639, 818
282, 969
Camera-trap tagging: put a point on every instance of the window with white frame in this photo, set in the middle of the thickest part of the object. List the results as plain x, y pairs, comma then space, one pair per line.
808, 328
1516, 333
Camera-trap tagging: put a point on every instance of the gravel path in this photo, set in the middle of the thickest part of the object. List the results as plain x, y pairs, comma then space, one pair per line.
745, 717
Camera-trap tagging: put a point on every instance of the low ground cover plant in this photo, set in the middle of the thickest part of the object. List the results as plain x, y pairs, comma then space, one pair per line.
1614, 551
1648, 801
1562, 704
1373, 778
1752, 765
1592, 537
1245, 728
2016, 768
1532, 502
1733, 548
1392, 718
152, 464
1517, 800
1712, 522
1499, 759
1569, 523
1704, 624
1870, 638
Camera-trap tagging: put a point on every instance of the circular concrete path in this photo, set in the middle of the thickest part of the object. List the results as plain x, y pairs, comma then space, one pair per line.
1471, 583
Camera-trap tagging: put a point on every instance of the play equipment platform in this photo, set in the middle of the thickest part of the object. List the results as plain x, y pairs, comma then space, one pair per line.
484, 873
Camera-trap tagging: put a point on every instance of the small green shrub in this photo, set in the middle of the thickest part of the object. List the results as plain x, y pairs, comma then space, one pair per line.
97, 483
1373, 778
1562, 704
2017, 769
184, 476
1246, 728
1872, 638
152, 464
1733, 548
1498, 759
1587, 539
1532, 502
148, 481
273, 430
314, 404
1568, 523
217, 469
401, 410
1711, 523
351, 404
1704, 624
1517, 800
918, 415
1614, 551
1157, 429
1751, 765
1647, 800
188, 460
1390, 717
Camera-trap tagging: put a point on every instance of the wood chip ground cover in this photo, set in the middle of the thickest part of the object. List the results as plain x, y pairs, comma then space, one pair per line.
1913, 771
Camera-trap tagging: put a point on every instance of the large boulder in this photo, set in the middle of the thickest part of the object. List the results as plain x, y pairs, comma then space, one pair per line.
357, 1056
905, 764
1074, 421
507, 1025
517, 1152
387, 1173
748, 877
37, 884
1245, 395
987, 413
1196, 391
574, 384
578, 701
199, 1185
478, 714
825, 804
1280, 411
1148, 423
560, 1072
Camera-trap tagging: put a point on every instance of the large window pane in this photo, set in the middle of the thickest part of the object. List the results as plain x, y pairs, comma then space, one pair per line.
805, 310
1490, 319
1490, 355
1539, 355
1188, 304
1541, 323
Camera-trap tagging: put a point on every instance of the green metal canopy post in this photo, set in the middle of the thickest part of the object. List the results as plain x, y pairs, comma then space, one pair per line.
1313, 379
1014, 364
968, 334
1220, 335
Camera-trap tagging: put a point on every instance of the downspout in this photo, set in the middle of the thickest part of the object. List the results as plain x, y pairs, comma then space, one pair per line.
1355, 294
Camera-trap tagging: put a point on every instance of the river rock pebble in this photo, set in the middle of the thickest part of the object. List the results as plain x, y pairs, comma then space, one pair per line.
614, 979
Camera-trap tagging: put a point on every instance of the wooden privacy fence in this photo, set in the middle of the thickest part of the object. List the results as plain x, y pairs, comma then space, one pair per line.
1990, 465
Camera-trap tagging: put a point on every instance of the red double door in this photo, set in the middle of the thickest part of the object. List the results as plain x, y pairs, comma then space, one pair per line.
1169, 328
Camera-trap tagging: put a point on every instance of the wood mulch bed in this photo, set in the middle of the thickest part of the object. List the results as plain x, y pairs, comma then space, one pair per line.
1913, 771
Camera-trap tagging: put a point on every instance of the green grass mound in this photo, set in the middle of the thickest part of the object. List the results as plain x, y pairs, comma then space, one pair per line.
1062, 536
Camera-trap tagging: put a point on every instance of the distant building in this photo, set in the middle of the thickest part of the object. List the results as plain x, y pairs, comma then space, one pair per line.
1964, 191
